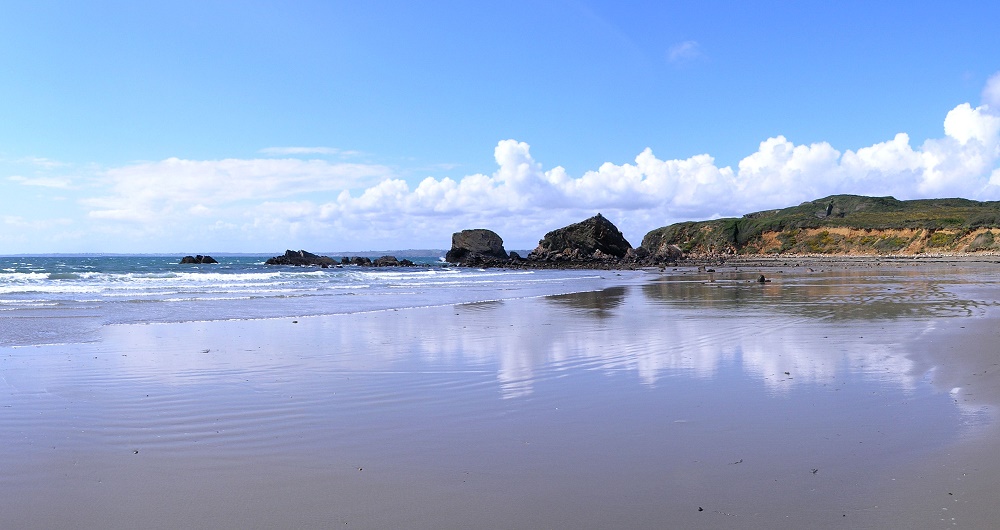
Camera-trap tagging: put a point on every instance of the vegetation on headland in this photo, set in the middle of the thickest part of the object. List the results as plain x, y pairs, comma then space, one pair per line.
842, 225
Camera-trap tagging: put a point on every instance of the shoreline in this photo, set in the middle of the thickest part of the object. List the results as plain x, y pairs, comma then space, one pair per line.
769, 260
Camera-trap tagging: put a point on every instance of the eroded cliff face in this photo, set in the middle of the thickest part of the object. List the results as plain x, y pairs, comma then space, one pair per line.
842, 225
848, 241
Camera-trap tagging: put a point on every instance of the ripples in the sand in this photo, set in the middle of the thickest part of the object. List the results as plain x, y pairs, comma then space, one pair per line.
662, 394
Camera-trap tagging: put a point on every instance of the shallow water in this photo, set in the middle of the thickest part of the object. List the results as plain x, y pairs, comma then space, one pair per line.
667, 401
52, 300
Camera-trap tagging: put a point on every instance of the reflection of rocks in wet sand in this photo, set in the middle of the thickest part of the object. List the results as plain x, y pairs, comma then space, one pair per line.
600, 303
487, 305
832, 294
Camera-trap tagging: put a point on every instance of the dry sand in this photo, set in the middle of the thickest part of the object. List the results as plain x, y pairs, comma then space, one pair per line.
826, 399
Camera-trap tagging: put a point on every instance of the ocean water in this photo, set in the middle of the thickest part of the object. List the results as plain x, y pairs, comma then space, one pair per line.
67, 299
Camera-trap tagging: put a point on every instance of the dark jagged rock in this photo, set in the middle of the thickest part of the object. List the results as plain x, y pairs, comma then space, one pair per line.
477, 245
301, 258
386, 261
360, 261
199, 259
593, 240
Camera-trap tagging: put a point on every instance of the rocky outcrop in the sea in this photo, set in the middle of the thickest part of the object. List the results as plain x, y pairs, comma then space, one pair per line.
594, 243
593, 240
199, 259
301, 258
360, 261
391, 261
384, 261
475, 247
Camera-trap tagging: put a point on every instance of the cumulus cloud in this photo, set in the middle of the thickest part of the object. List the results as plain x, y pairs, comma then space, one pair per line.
364, 206
683, 52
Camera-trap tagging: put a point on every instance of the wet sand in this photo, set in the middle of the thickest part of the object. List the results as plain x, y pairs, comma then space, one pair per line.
837, 398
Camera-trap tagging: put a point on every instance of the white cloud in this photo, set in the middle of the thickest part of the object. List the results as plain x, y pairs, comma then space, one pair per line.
293, 151
35, 224
683, 52
965, 124
44, 182
147, 191
41, 162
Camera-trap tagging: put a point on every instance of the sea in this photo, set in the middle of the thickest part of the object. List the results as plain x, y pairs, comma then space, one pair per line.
69, 299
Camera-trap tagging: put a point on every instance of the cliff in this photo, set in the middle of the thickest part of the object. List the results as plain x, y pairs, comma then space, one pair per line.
842, 225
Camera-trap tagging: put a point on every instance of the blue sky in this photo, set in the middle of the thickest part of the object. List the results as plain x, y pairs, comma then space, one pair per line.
260, 126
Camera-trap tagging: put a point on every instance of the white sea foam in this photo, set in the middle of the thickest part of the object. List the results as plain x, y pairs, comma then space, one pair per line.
157, 289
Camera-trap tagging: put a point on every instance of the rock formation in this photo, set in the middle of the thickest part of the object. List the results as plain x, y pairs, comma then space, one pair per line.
384, 261
477, 245
656, 248
197, 259
595, 239
301, 258
360, 261
391, 261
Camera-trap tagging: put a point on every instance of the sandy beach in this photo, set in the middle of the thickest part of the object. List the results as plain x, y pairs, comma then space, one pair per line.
834, 397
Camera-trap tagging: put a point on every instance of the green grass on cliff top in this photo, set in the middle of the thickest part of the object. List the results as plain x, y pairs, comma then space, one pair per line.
850, 211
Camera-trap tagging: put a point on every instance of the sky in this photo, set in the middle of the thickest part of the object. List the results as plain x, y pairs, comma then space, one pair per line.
256, 126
